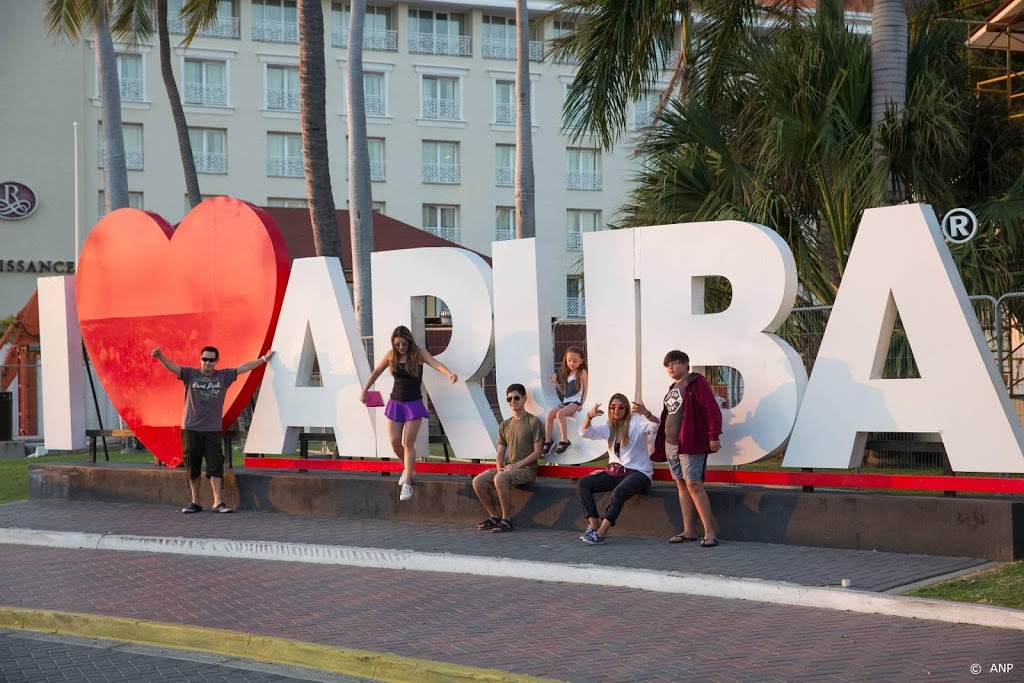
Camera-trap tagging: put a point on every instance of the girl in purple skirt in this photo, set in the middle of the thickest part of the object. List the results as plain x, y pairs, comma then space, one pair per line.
405, 407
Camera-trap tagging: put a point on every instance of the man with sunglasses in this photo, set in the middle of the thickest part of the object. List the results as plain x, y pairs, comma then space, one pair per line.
205, 390
520, 443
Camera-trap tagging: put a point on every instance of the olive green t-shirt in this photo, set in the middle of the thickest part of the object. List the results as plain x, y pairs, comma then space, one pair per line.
520, 436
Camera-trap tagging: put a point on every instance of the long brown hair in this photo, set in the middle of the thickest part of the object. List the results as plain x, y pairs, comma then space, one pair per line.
619, 428
563, 371
413, 361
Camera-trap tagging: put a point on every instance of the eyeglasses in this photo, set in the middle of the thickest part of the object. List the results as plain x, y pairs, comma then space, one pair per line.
208, 360
513, 398
618, 406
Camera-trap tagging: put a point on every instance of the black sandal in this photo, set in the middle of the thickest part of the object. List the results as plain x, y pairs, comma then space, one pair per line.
488, 523
547, 447
503, 526
562, 447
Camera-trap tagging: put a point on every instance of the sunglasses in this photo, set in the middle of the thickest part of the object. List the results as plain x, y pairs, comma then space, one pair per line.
208, 360
401, 343
512, 398
618, 406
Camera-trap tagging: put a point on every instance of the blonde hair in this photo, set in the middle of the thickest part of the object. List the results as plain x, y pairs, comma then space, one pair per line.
619, 429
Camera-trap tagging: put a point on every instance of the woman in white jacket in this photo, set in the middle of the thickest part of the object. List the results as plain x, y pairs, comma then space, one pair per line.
629, 468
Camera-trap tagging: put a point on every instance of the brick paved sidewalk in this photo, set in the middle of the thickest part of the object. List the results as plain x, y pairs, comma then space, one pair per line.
563, 631
874, 571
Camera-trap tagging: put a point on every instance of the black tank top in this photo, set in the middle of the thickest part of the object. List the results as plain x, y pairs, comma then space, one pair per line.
406, 388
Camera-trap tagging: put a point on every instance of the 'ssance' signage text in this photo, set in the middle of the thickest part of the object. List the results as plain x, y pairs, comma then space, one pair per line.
645, 294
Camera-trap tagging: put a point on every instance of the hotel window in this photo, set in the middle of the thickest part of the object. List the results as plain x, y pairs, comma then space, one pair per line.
375, 95
131, 75
441, 163
206, 83
504, 223
378, 166
283, 88
275, 21
284, 155
644, 109
438, 33
504, 165
209, 149
442, 221
134, 202
441, 98
288, 202
505, 102
224, 25
575, 302
577, 222
378, 32
583, 170
499, 39
133, 158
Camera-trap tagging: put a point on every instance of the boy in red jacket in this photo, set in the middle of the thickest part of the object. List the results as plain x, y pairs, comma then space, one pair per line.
691, 422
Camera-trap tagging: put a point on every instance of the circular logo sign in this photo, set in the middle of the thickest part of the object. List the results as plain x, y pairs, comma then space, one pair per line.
17, 200
959, 225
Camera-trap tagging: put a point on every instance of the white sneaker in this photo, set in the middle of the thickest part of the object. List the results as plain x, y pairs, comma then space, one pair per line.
406, 492
401, 479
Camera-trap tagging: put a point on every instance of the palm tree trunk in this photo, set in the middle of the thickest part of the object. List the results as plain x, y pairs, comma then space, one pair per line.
313, 96
115, 173
888, 57
526, 222
360, 196
188, 164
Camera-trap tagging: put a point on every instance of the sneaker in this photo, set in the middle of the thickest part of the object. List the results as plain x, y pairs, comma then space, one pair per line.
221, 507
401, 479
589, 529
592, 538
192, 507
406, 492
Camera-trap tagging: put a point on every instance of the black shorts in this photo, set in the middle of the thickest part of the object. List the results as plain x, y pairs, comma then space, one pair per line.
198, 445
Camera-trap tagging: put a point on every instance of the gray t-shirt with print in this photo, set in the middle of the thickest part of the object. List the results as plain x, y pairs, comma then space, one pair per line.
674, 408
204, 398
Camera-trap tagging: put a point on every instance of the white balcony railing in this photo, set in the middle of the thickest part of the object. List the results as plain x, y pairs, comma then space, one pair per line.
205, 93
287, 167
286, 100
378, 171
376, 39
131, 89
432, 44
575, 307
133, 160
583, 180
442, 109
504, 177
450, 234
642, 119
504, 113
444, 174
574, 241
211, 163
375, 105
501, 48
275, 31
221, 27
504, 235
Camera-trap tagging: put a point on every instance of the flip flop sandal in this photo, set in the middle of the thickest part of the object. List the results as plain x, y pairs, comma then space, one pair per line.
562, 447
679, 538
488, 523
708, 542
503, 526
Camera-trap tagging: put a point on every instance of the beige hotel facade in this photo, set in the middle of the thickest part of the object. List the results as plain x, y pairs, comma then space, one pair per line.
440, 105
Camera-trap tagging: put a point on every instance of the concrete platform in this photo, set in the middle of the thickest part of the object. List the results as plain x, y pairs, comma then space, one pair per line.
12, 450
991, 528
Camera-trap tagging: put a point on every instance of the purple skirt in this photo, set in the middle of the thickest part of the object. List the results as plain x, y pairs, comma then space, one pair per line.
405, 411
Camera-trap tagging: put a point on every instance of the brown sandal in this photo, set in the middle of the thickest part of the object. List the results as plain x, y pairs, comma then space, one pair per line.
679, 538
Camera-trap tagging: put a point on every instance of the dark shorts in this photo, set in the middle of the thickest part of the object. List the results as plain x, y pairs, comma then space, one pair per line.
198, 445
405, 411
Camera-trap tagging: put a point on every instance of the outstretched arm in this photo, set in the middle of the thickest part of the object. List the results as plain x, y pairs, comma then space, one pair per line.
434, 363
377, 371
253, 364
166, 362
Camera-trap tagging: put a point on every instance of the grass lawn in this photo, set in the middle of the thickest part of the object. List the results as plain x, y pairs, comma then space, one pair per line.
14, 473
1003, 586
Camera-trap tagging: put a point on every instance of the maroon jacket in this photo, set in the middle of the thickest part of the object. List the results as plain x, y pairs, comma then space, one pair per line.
702, 420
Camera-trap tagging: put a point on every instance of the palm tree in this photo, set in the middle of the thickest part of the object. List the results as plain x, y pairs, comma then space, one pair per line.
313, 102
66, 20
526, 222
359, 189
188, 164
888, 58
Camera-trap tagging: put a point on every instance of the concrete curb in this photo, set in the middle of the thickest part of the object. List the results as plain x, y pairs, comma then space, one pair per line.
642, 579
341, 660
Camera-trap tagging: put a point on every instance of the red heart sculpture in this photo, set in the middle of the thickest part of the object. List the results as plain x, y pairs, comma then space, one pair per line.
217, 280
